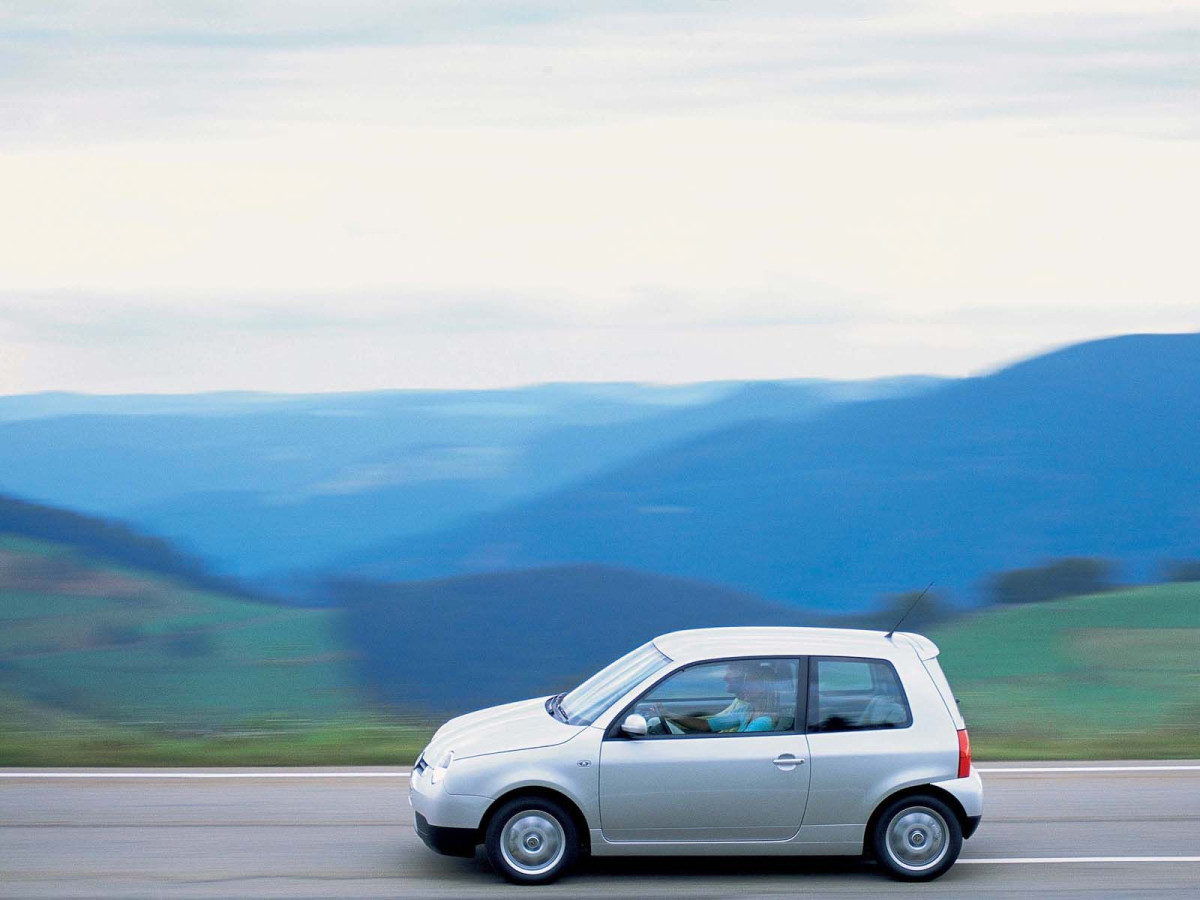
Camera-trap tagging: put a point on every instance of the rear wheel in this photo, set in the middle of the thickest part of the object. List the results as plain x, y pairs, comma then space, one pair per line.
532, 840
917, 838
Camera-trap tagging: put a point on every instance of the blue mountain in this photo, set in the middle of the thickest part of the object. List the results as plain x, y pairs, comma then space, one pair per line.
457, 643
260, 483
1090, 450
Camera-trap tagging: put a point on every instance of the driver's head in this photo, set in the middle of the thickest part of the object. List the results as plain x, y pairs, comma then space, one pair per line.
751, 679
738, 675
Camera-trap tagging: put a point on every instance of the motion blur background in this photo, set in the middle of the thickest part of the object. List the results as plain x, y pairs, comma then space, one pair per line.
363, 366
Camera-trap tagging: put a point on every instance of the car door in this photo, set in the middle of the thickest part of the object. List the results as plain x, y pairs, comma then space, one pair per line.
743, 779
861, 735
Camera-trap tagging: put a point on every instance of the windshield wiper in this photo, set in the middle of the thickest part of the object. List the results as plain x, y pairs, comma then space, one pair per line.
554, 707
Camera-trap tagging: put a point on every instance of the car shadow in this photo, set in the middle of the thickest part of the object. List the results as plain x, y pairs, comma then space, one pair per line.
701, 866
732, 866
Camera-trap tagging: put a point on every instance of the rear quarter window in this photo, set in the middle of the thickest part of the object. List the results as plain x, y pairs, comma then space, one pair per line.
855, 695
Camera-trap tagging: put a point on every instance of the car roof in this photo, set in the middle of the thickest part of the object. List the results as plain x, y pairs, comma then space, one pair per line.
715, 643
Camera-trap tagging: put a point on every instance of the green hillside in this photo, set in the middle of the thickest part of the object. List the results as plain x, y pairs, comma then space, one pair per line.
31, 735
105, 664
1110, 675
120, 644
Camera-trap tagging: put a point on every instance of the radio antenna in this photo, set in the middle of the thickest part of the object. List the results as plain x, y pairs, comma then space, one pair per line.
920, 597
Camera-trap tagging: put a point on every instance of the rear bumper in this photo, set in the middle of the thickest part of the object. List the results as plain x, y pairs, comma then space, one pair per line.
972, 824
447, 841
969, 793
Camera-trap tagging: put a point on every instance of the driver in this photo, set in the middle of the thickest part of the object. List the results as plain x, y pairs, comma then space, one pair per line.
754, 708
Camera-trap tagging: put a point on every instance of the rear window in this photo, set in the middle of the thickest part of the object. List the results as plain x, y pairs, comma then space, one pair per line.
855, 695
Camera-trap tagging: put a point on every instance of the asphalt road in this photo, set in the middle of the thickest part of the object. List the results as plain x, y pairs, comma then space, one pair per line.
337, 835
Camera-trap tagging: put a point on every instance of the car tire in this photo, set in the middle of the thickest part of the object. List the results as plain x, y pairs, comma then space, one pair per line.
532, 840
916, 838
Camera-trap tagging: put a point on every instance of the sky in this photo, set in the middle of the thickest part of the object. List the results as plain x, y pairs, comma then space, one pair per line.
302, 196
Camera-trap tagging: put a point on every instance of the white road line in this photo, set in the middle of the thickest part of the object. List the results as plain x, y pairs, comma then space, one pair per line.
984, 771
989, 770
1014, 861
1043, 769
204, 775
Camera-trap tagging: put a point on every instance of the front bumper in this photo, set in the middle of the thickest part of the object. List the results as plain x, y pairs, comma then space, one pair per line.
448, 823
447, 841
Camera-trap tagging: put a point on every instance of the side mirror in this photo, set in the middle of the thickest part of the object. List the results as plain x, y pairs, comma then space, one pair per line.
634, 725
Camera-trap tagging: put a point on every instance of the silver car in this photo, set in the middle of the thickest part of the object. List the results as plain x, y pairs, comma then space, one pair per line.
720, 741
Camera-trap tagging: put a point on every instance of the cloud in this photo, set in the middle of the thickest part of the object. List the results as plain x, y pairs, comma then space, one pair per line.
88, 318
176, 68
283, 194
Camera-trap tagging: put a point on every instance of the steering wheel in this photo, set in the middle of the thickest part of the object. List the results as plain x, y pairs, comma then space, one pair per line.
657, 710
646, 711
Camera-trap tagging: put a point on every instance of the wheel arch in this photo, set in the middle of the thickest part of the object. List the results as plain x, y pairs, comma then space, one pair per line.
916, 790
547, 793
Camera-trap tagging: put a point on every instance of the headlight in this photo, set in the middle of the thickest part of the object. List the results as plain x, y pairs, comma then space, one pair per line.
443, 764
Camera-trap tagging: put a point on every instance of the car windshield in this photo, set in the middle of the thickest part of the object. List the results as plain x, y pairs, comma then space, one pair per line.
599, 692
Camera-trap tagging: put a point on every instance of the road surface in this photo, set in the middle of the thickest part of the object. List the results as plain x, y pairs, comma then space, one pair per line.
1112, 830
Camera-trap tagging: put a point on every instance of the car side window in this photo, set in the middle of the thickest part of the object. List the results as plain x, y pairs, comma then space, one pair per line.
736, 696
855, 695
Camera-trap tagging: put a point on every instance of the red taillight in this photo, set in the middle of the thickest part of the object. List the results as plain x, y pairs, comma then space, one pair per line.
964, 753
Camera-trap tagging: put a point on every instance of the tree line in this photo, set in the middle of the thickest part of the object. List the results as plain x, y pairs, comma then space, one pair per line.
1053, 579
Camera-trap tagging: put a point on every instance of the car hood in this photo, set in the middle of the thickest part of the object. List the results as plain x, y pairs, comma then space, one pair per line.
514, 726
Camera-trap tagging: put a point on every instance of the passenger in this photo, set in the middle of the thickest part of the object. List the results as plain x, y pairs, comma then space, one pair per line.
755, 707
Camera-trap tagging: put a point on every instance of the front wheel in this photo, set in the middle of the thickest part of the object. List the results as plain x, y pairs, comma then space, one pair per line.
532, 841
917, 838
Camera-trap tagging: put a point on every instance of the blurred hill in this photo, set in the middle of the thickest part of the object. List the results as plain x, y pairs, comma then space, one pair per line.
103, 538
1110, 674
1087, 451
105, 663
461, 643
101, 638
260, 483
1098, 676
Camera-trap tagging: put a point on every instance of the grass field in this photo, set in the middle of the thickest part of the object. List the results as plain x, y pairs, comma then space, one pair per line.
104, 666
36, 736
109, 643
1110, 675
